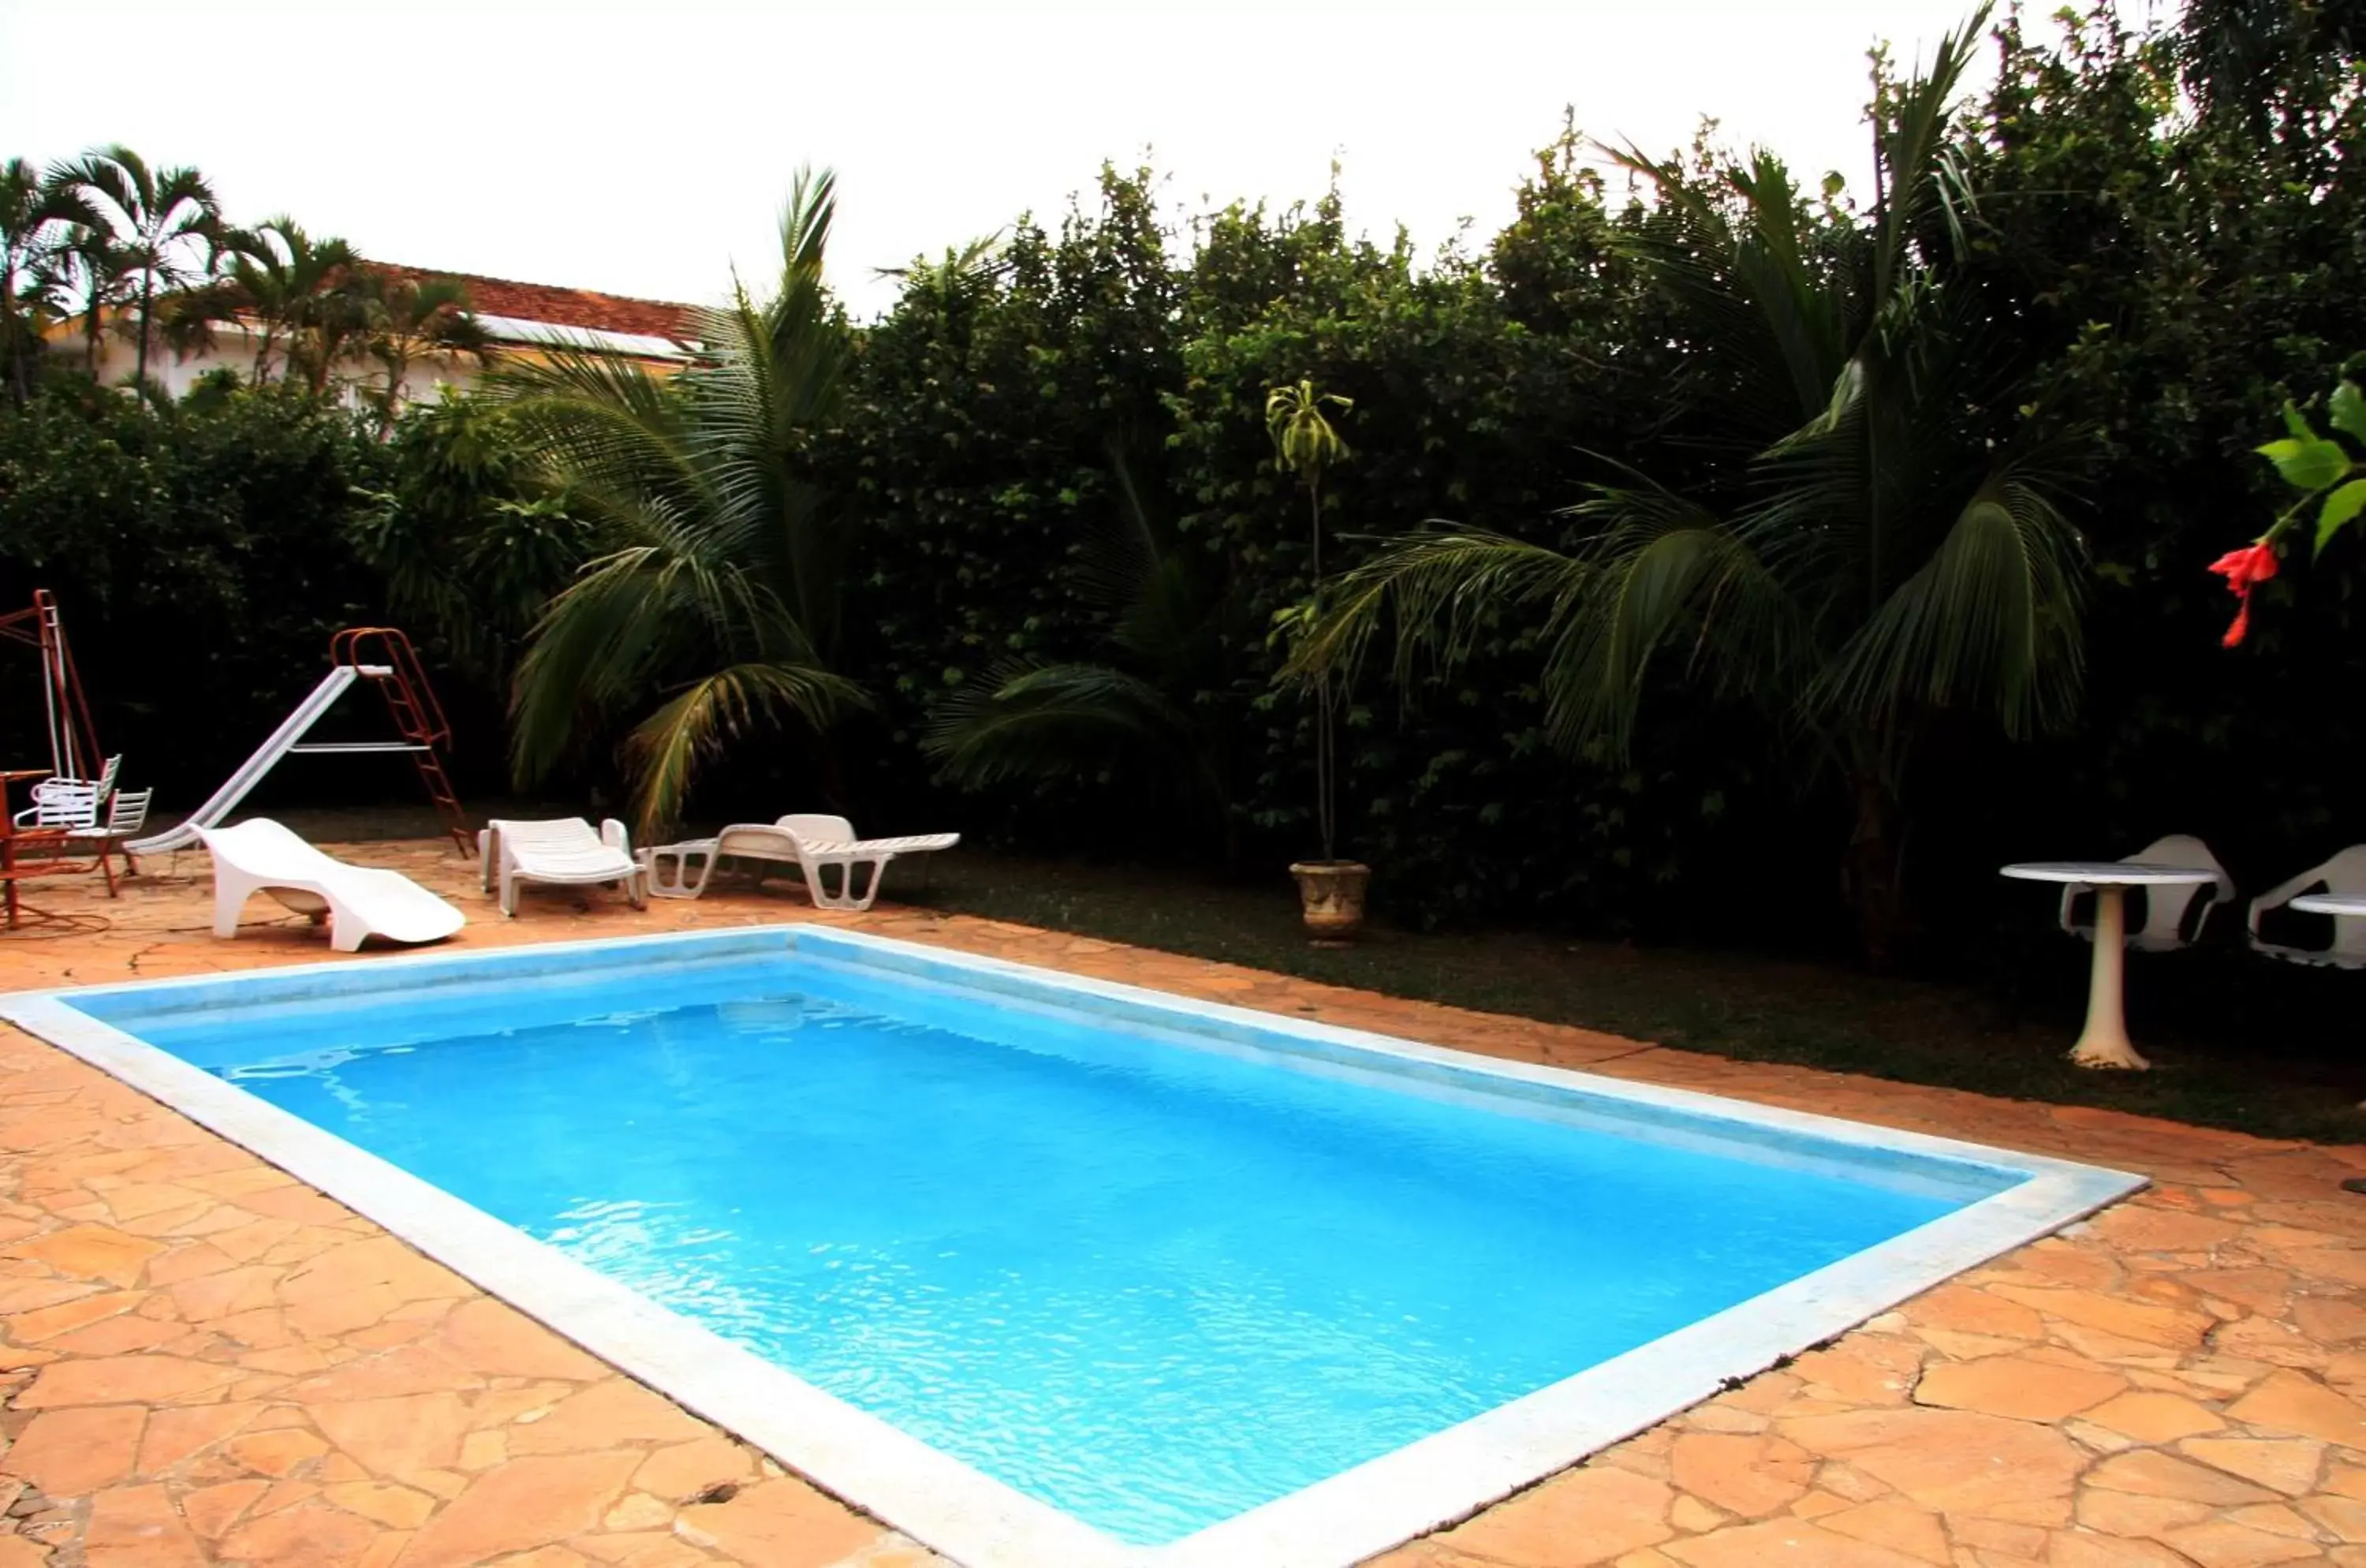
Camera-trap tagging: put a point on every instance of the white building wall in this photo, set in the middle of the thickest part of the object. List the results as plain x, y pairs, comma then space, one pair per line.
234, 346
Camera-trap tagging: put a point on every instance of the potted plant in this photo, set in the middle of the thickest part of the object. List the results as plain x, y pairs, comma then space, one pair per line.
1330, 890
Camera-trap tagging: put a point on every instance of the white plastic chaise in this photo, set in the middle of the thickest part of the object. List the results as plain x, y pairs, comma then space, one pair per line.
2166, 912
2344, 875
261, 856
811, 842
562, 852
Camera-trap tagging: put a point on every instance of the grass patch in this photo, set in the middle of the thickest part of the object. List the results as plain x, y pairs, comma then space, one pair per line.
2241, 1072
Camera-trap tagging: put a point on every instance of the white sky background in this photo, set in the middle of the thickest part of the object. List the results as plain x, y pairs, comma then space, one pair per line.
644, 149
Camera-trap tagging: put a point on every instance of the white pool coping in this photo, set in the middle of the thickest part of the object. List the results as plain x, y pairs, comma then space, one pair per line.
982, 1523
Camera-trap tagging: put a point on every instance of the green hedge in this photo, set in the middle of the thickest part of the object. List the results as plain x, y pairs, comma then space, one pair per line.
2162, 279
201, 560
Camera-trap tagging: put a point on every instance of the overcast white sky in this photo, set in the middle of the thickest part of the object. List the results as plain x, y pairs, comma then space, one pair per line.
645, 147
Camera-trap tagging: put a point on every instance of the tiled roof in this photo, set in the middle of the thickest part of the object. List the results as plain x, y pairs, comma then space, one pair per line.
579, 307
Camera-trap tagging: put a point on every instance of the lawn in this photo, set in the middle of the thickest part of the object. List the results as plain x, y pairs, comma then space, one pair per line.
2282, 1071
2236, 1042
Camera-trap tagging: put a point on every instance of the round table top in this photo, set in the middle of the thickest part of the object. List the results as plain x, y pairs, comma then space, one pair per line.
2330, 904
2110, 872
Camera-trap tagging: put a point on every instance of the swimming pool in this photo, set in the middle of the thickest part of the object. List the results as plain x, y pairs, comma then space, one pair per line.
1047, 1270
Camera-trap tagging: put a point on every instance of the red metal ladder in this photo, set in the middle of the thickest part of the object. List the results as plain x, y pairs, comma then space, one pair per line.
418, 716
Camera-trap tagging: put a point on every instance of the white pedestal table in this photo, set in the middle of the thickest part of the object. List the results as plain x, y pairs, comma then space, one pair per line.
2104, 1042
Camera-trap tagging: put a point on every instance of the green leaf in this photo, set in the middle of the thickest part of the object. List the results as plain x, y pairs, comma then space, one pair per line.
2347, 410
2307, 465
2339, 507
2297, 423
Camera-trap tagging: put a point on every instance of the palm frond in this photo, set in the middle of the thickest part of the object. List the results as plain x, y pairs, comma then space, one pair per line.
1988, 623
1440, 590
1028, 721
1736, 267
1919, 177
697, 724
1664, 576
609, 429
722, 553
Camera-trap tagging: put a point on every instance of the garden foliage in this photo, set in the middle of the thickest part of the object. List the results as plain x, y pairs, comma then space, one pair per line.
1051, 455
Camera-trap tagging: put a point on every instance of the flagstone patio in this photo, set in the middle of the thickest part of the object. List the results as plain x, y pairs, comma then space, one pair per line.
207, 1362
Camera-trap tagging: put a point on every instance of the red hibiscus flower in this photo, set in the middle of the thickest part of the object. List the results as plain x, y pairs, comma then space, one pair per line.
2244, 569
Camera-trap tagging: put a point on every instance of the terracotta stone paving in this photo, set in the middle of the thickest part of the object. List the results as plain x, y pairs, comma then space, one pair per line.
205, 1361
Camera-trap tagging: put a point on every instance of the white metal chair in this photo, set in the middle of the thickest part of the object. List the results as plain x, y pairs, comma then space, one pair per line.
127, 816
2174, 917
811, 842
69, 803
2344, 875
563, 852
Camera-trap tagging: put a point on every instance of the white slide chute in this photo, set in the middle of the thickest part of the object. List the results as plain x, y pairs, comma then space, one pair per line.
235, 788
383, 656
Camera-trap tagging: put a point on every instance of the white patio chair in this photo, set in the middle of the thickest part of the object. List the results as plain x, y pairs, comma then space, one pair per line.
2174, 917
2344, 875
562, 852
811, 842
127, 816
61, 804
69, 803
261, 856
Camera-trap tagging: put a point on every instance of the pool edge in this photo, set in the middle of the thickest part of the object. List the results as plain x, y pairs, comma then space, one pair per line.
982, 1523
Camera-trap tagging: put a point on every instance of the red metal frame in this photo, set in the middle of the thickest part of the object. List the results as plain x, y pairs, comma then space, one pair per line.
73, 739
384, 654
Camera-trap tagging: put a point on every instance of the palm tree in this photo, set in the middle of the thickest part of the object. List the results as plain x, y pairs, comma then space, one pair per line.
285, 284
1886, 545
712, 607
99, 277
164, 225
411, 317
37, 219
1305, 444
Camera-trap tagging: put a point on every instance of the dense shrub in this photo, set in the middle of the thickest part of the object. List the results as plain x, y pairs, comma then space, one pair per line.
2165, 235
200, 556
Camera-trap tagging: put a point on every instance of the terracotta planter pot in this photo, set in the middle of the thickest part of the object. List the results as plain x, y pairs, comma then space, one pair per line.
1331, 896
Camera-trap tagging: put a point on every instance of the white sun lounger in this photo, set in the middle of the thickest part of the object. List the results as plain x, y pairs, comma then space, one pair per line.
261, 856
809, 840
563, 852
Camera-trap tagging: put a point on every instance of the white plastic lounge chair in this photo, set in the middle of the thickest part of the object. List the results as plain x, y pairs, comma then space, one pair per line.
261, 856
2345, 874
811, 842
2174, 917
564, 852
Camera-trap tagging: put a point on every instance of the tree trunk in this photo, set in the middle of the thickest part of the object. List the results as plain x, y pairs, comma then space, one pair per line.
1873, 876
139, 354
1327, 787
17, 334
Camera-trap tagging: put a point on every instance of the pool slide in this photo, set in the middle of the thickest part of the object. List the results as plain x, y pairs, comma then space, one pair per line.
280, 743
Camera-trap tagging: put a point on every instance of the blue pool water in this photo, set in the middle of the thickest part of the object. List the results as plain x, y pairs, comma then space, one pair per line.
1150, 1281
